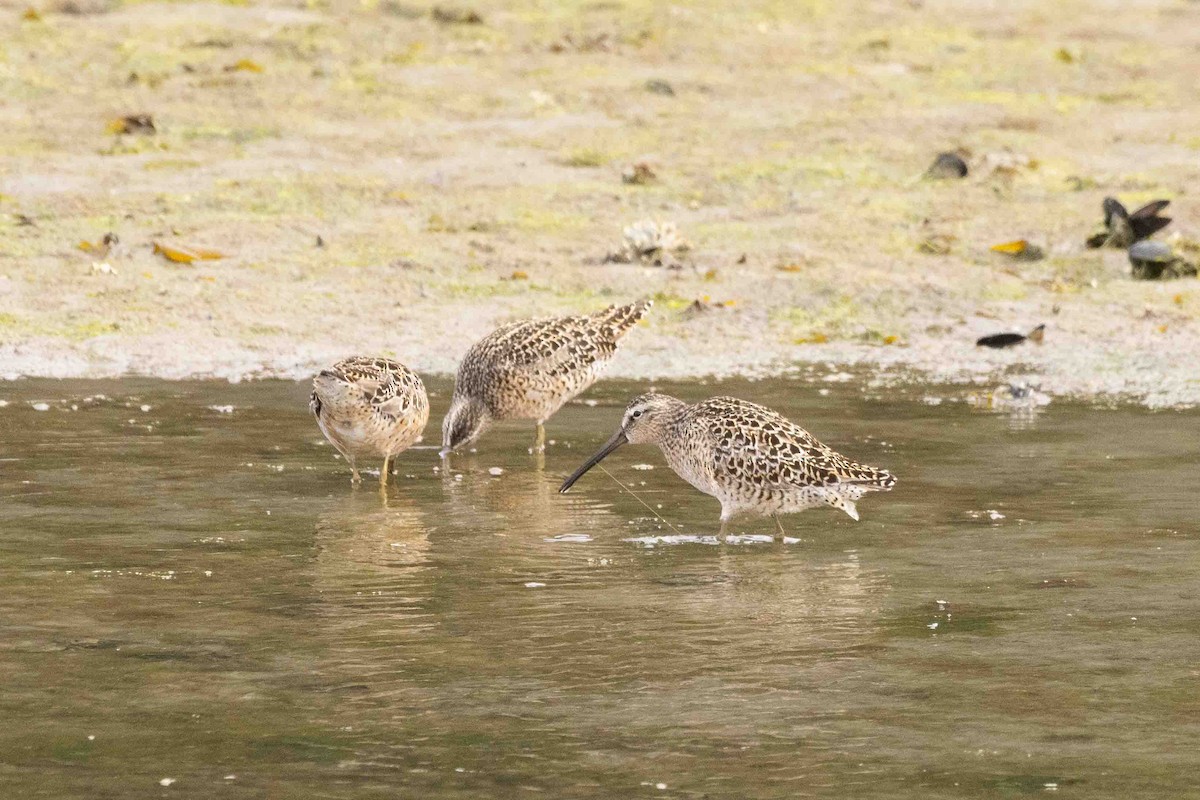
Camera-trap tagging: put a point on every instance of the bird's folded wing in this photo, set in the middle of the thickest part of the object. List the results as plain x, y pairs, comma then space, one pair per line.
550, 347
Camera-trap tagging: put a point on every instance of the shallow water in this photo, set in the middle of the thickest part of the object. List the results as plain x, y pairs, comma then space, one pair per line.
194, 595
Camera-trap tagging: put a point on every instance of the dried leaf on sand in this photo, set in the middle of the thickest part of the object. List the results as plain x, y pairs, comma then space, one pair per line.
181, 254
244, 65
1019, 249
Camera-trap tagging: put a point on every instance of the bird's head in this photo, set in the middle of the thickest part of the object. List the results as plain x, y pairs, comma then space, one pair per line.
464, 422
646, 417
645, 421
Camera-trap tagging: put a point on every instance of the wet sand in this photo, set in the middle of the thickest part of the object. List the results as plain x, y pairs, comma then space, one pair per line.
461, 175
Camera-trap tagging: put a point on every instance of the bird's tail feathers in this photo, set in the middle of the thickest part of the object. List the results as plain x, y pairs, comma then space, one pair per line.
869, 479
622, 318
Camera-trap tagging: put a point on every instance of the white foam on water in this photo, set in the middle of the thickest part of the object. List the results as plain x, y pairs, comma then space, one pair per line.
654, 541
569, 537
749, 538
734, 539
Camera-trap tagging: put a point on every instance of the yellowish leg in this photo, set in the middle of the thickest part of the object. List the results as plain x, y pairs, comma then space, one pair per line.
539, 442
355, 478
779, 524
384, 471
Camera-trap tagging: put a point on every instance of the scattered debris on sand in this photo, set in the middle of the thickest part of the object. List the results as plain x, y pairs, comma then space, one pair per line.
456, 15
1122, 229
999, 341
1020, 250
650, 242
639, 174
1152, 261
659, 86
947, 166
133, 123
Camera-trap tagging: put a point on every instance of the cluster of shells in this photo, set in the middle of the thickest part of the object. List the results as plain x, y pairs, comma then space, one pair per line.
649, 241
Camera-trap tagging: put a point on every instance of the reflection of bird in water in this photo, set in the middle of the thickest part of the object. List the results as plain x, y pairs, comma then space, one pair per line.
752, 459
829, 591
771, 615
369, 549
372, 589
529, 369
370, 406
483, 497
1122, 228
365, 532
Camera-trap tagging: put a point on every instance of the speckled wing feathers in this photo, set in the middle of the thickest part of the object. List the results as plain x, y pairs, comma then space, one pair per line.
530, 368
387, 386
758, 447
397, 397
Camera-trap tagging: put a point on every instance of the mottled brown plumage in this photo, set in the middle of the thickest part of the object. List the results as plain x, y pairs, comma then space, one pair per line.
370, 407
529, 369
752, 459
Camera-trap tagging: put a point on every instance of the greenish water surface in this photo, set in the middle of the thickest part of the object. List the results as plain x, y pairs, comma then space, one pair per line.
196, 603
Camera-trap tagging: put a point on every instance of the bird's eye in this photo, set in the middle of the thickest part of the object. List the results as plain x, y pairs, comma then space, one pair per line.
636, 414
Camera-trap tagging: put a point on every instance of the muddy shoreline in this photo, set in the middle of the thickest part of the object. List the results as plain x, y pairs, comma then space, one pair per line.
382, 180
1062, 369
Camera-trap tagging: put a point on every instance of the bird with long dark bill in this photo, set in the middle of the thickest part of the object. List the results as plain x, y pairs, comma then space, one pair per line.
752, 459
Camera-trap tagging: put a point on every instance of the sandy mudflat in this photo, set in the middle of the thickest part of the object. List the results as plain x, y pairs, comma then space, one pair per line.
461, 175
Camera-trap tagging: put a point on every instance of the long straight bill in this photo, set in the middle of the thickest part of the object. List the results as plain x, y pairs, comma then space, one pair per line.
616, 441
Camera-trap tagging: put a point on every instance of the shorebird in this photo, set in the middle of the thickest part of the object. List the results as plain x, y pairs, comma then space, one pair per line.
530, 369
752, 459
369, 407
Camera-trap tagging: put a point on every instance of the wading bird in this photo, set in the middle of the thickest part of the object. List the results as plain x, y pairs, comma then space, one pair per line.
369, 407
752, 459
529, 369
